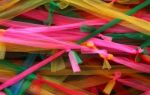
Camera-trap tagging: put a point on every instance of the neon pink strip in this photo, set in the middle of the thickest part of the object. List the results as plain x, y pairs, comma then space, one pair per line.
116, 46
59, 27
39, 37
30, 70
93, 22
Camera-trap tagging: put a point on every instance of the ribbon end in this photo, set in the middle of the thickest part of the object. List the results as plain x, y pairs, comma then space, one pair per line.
109, 87
74, 62
106, 64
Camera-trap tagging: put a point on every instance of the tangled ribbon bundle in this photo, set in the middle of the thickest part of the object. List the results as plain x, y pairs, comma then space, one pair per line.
74, 47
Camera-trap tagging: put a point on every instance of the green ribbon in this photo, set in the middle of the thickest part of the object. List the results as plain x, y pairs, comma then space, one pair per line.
27, 83
7, 91
53, 6
134, 36
86, 28
77, 57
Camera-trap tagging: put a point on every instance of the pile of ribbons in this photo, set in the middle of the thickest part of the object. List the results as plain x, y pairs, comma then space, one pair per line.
74, 47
